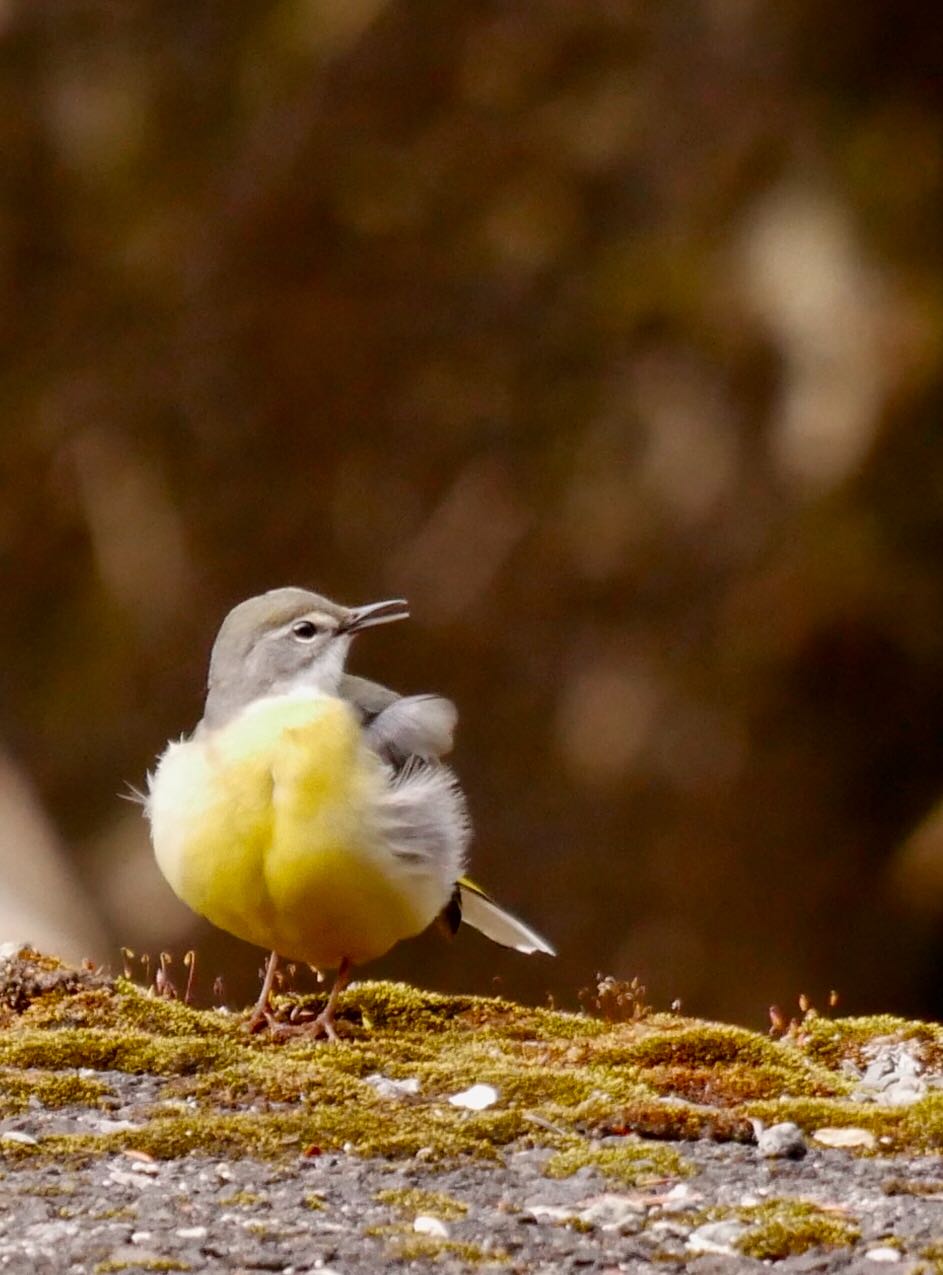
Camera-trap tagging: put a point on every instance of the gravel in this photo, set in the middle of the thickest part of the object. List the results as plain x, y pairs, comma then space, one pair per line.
322, 1213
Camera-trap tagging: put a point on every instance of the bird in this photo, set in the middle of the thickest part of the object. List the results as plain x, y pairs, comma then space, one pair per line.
310, 812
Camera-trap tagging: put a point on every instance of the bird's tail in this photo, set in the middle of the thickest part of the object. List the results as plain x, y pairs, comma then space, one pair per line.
496, 924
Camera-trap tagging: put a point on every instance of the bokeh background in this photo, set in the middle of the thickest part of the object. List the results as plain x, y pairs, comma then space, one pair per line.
609, 333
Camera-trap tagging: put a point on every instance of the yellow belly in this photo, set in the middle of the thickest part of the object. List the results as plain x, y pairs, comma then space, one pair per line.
268, 827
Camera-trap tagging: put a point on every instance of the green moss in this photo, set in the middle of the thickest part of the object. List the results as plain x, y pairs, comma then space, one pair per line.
916, 1128
103, 1050
441, 1133
912, 1186
52, 1089
631, 1163
678, 1121
932, 1253
558, 1077
425, 1248
413, 1201
123, 1213
921, 1124
832, 1041
786, 1227
241, 1199
703, 1045
709, 1063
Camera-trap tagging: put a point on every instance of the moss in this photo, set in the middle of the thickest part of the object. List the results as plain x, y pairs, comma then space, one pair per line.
32, 977
785, 1227
404, 1245
832, 1041
412, 1200
916, 1128
710, 1063
52, 1089
631, 1163
135, 1052
558, 1076
702, 1045
314, 1202
933, 1253
921, 1124
379, 1007
241, 1199
278, 1135
678, 1122
419, 1248
123, 1213
912, 1186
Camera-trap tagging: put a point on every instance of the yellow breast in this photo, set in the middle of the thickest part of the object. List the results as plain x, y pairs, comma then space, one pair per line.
270, 828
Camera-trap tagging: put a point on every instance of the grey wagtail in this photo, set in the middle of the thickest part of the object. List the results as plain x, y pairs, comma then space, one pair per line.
310, 811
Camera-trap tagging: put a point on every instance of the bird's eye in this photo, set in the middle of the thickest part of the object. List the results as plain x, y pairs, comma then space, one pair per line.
304, 630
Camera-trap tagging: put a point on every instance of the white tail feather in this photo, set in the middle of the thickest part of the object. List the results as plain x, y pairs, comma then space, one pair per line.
498, 925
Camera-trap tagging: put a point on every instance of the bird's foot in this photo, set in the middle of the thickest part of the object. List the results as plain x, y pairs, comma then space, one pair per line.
300, 1024
323, 1025
261, 1018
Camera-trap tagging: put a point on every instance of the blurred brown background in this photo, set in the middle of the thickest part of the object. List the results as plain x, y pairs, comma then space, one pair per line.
610, 335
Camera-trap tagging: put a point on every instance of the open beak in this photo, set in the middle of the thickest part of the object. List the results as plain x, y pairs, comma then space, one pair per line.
375, 613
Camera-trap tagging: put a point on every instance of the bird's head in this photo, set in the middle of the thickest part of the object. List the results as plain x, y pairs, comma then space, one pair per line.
285, 640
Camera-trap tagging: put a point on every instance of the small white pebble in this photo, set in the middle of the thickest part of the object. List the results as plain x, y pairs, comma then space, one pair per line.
849, 1136
106, 1125
477, 1098
426, 1224
387, 1087
715, 1237
550, 1212
192, 1233
681, 1191
120, 1177
883, 1254
15, 1135
611, 1212
141, 1237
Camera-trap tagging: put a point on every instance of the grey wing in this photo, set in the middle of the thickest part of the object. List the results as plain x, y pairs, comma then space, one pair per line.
424, 814
402, 726
368, 698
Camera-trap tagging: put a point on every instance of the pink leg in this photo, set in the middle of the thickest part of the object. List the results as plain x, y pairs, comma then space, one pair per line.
323, 1025
260, 1012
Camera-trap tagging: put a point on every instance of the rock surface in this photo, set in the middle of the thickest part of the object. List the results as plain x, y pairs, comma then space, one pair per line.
571, 1166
